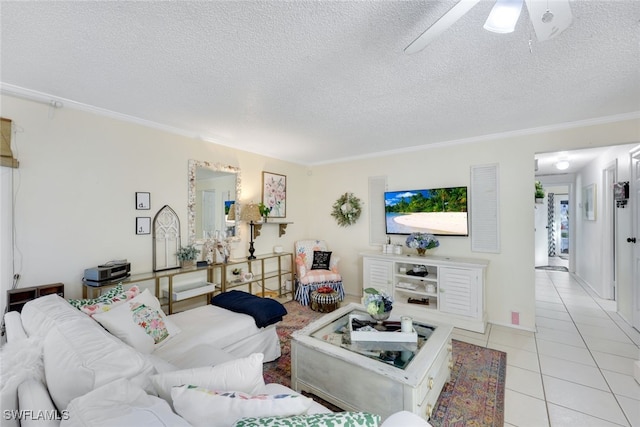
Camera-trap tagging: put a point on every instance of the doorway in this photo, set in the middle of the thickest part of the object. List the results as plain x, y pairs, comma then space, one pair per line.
553, 223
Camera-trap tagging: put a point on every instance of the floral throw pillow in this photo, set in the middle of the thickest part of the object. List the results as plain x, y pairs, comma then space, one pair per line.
105, 302
202, 407
139, 322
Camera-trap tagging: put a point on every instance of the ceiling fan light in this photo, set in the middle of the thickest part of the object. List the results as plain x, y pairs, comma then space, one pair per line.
504, 16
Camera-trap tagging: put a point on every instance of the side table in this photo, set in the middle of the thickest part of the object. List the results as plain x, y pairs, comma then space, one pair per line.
325, 302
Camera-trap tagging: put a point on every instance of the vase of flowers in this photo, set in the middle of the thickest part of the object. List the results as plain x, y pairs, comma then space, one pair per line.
422, 242
378, 305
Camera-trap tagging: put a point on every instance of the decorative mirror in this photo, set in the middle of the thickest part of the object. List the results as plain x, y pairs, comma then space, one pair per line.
213, 190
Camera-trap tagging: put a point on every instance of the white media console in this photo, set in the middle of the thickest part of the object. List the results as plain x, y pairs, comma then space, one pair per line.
444, 289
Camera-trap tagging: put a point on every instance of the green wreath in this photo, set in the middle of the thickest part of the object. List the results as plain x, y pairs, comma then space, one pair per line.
346, 210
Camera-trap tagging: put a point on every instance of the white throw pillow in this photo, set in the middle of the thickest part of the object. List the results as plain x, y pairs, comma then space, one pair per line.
209, 408
243, 374
117, 404
140, 322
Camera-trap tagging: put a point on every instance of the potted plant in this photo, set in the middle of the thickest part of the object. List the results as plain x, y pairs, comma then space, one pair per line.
539, 192
187, 254
264, 211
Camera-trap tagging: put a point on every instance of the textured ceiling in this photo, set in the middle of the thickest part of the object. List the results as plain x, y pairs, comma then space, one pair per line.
313, 82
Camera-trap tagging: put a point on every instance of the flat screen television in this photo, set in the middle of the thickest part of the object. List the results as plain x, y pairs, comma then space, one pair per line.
439, 211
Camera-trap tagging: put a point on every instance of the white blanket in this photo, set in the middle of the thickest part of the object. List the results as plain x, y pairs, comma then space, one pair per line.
220, 328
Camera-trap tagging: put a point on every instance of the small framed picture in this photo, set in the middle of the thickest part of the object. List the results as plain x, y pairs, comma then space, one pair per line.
143, 225
143, 201
589, 202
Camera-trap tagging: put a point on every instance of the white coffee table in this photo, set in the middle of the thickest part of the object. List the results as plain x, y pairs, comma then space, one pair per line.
381, 378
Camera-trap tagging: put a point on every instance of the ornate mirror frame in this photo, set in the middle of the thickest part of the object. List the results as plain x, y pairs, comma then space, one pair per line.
191, 203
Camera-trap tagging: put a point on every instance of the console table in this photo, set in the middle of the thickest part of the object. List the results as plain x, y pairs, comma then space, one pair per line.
195, 282
271, 272
445, 289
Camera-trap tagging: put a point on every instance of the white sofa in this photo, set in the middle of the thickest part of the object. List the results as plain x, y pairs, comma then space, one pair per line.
62, 368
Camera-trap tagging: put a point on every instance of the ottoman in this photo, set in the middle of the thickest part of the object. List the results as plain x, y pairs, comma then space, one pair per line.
325, 302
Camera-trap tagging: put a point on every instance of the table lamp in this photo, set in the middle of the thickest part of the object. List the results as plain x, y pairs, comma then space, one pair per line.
250, 213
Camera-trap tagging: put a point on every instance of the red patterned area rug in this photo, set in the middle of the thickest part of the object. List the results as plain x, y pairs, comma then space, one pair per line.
297, 317
475, 394
473, 397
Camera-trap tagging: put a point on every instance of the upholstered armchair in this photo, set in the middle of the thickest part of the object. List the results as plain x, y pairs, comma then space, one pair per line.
316, 267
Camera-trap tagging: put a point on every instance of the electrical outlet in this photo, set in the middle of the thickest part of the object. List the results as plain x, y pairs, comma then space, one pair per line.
515, 318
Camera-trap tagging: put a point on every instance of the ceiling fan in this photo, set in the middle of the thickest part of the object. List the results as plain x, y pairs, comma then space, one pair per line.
549, 18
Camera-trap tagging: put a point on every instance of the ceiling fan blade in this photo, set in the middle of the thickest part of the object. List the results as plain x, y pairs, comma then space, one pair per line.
441, 25
549, 17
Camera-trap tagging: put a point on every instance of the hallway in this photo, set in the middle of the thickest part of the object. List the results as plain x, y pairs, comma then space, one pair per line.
577, 369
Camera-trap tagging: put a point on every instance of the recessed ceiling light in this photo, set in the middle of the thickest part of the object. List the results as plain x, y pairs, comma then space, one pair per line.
562, 165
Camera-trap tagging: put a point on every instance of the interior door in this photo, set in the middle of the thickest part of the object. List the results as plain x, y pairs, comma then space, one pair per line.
541, 234
633, 240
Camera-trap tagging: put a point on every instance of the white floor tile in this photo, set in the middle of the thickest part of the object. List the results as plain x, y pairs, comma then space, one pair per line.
514, 339
580, 360
612, 333
555, 324
563, 417
623, 385
570, 338
629, 350
631, 408
524, 411
518, 357
583, 399
594, 311
604, 322
554, 306
508, 330
575, 372
553, 314
524, 381
611, 362
565, 351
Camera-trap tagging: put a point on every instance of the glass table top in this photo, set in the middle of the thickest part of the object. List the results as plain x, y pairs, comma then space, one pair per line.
398, 354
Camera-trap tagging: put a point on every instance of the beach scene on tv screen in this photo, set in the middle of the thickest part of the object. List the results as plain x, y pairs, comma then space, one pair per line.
441, 211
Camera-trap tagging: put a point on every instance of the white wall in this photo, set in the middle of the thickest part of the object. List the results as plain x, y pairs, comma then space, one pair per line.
510, 278
75, 207
589, 260
79, 173
6, 223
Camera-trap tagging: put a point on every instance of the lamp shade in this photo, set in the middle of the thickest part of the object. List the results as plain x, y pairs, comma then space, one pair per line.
250, 212
231, 216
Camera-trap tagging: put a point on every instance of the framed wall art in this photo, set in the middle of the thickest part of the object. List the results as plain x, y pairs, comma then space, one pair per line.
143, 201
274, 194
589, 202
143, 225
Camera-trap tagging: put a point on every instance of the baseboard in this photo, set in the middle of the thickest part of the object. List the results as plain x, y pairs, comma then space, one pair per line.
512, 326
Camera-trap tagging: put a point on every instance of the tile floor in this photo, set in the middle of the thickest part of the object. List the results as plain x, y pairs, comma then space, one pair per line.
577, 369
